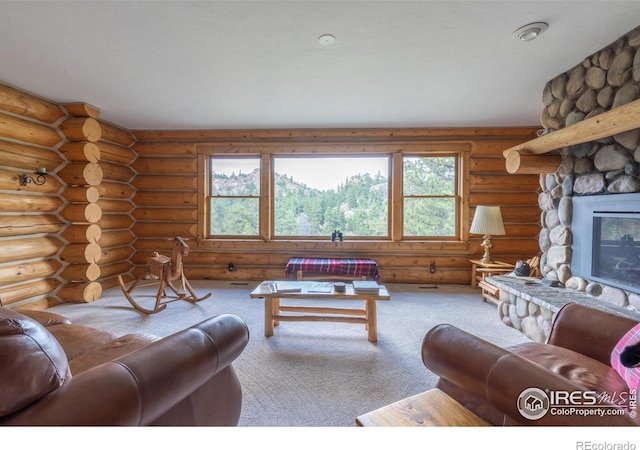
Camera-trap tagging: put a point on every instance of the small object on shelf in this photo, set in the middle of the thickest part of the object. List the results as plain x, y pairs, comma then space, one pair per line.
340, 287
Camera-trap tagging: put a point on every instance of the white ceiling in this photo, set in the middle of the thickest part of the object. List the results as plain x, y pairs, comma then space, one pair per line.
242, 64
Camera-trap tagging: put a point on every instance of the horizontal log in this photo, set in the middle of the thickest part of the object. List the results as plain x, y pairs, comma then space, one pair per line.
114, 189
83, 292
517, 162
81, 129
117, 153
24, 291
504, 246
81, 151
148, 229
81, 110
118, 268
24, 104
492, 165
495, 147
115, 221
161, 198
82, 233
112, 206
615, 121
109, 283
81, 194
503, 183
25, 271
81, 272
311, 135
116, 238
29, 203
117, 172
81, 253
25, 224
165, 182
82, 212
166, 148
116, 134
511, 198
165, 214
28, 248
115, 254
28, 157
81, 173
27, 131
12, 180
148, 165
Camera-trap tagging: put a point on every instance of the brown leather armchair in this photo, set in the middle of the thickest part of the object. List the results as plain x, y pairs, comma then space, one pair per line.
54, 372
489, 380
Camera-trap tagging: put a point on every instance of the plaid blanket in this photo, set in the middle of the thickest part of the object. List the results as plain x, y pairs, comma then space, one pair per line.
347, 267
630, 375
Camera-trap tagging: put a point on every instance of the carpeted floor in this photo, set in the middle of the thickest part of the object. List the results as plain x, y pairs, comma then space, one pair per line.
315, 374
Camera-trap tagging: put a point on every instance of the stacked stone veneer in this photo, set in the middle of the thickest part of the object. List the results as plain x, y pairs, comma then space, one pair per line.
603, 81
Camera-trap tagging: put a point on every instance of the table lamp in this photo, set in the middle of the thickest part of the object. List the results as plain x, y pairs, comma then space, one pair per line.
487, 221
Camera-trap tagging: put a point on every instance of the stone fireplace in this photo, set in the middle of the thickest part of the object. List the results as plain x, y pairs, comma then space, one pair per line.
604, 172
609, 167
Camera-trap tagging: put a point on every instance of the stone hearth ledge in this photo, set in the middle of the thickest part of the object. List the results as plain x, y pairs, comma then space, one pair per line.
530, 308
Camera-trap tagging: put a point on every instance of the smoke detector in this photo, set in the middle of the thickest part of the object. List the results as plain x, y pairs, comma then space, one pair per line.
530, 32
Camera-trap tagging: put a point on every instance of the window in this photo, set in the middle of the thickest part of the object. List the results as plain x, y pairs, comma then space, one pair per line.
234, 197
429, 196
313, 196
370, 192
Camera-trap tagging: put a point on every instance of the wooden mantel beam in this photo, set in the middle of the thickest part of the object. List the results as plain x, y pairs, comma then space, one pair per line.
615, 121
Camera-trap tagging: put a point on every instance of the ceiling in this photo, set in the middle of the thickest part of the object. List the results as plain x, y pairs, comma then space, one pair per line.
182, 65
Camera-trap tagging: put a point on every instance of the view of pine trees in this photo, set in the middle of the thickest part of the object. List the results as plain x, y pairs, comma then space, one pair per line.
357, 207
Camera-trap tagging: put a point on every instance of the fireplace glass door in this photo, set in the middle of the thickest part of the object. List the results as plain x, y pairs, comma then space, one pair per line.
616, 249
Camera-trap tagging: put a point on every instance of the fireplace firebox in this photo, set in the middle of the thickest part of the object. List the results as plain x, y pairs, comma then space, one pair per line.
606, 240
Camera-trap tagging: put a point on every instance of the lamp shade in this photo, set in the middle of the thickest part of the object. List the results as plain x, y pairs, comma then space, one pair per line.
487, 220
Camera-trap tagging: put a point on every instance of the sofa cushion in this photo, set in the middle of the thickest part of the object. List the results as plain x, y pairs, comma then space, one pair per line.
630, 375
33, 362
109, 351
582, 370
76, 340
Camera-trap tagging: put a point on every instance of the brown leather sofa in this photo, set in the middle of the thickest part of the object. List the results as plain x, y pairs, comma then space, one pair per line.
53, 372
489, 380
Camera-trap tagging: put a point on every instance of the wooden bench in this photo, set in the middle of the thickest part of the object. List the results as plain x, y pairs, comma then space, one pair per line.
344, 269
433, 408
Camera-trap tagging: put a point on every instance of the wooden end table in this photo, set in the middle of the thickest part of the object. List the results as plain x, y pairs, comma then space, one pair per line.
478, 264
273, 309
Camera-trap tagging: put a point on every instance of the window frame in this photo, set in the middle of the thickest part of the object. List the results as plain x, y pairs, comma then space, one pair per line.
396, 151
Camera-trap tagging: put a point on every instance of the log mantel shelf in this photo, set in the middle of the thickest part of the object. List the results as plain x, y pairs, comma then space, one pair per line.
526, 157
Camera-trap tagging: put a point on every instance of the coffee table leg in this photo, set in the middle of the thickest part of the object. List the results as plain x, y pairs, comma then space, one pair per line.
372, 328
276, 311
268, 317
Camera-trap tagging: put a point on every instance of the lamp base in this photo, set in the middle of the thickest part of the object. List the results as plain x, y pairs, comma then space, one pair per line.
486, 245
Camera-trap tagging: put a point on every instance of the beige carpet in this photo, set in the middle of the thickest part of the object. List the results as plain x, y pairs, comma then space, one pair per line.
315, 374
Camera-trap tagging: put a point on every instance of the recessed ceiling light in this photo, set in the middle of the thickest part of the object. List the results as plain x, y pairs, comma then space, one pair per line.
327, 40
530, 32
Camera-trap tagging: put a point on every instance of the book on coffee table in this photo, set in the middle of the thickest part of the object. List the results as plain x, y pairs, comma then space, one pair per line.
365, 286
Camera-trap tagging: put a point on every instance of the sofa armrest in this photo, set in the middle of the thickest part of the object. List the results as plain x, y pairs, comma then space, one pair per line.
512, 374
140, 387
460, 358
589, 331
45, 318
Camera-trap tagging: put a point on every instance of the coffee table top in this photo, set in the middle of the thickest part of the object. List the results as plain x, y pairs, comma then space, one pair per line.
314, 289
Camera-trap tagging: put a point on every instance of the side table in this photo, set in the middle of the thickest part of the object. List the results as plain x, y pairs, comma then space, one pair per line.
477, 264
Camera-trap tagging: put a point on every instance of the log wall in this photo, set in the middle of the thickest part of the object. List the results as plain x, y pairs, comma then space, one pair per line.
166, 206
29, 225
66, 240
113, 197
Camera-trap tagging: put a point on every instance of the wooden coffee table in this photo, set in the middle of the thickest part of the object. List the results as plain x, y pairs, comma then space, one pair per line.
273, 309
